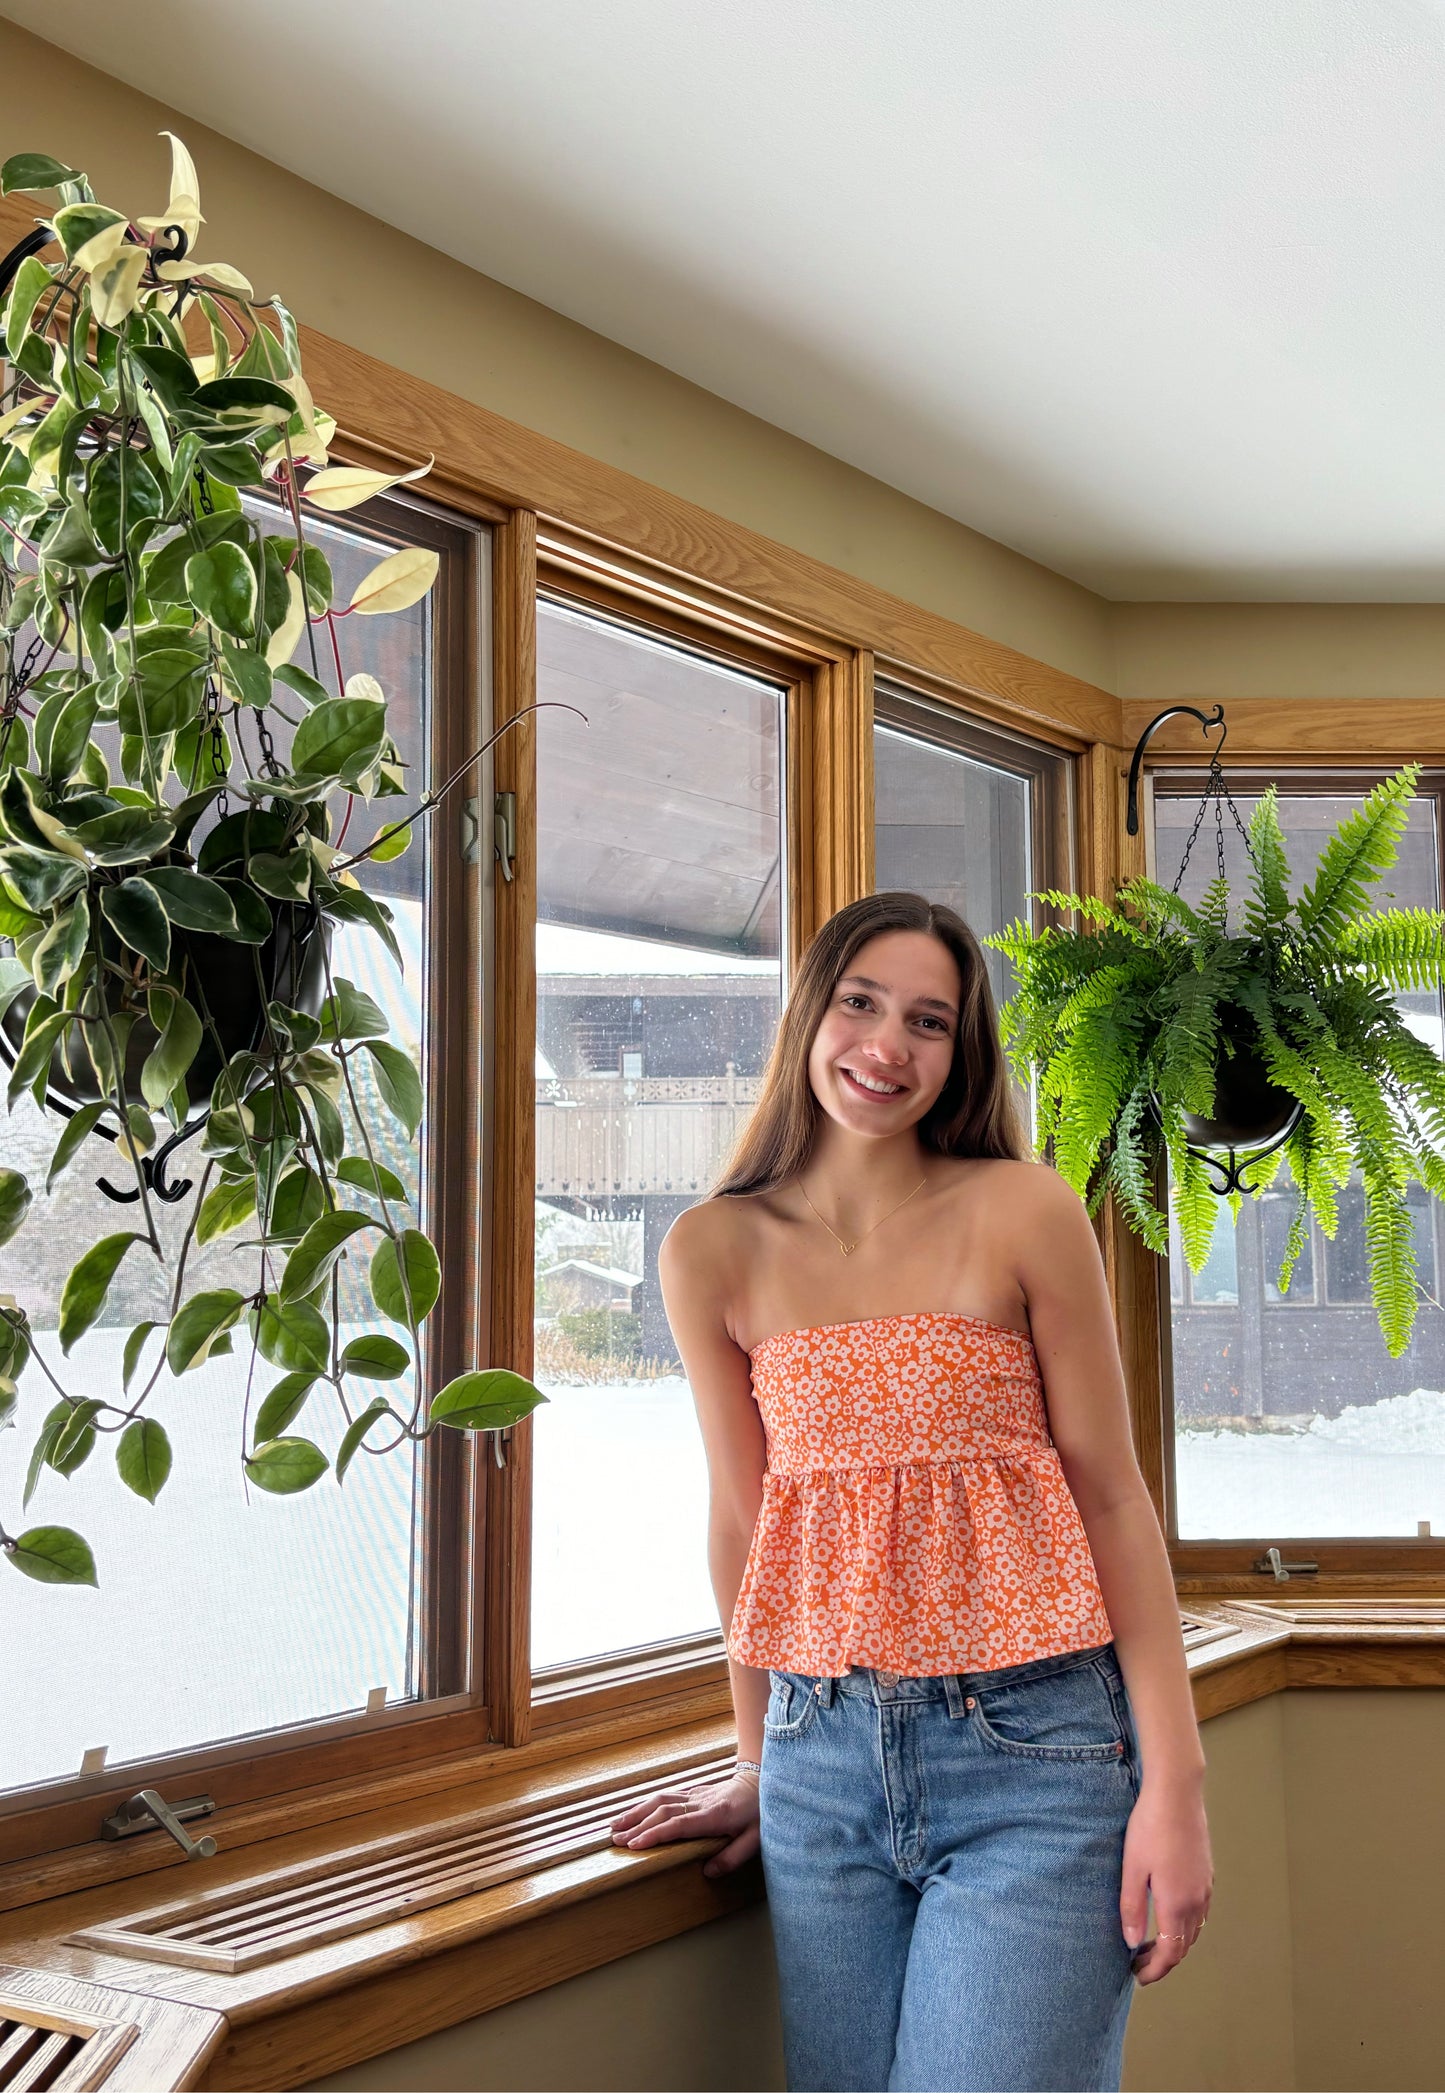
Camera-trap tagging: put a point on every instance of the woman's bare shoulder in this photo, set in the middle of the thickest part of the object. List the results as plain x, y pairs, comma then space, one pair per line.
1033, 1192
714, 1231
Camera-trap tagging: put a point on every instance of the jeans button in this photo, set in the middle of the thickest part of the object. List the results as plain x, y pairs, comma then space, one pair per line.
888, 1679
970, 1702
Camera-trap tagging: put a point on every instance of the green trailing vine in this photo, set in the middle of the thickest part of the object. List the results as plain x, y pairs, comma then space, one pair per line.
146, 608
1125, 1019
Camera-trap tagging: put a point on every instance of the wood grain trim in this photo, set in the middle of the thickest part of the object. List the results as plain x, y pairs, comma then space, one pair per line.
292, 1911
568, 1692
505, 1604
838, 823
131, 2043
1300, 730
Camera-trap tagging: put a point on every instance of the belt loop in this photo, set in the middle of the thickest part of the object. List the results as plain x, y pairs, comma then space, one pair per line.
953, 1694
824, 1690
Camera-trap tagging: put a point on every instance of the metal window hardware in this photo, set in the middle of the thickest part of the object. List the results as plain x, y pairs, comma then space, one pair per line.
1269, 1565
504, 832
149, 1811
469, 841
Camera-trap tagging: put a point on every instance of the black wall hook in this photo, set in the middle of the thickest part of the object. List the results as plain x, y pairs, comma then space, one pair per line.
1206, 721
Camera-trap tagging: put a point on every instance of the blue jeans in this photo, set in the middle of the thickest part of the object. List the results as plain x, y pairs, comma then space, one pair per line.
943, 1859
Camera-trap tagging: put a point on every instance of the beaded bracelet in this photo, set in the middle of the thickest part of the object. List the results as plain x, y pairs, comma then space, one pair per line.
748, 1766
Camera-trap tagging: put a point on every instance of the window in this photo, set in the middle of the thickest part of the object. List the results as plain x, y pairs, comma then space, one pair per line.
659, 941
1290, 1417
967, 816
217, 1618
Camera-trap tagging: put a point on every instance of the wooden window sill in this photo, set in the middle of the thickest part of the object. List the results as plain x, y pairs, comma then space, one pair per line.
323, 1940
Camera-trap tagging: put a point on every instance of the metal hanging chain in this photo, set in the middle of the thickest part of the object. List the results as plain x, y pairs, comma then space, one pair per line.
1218, 795
15, 683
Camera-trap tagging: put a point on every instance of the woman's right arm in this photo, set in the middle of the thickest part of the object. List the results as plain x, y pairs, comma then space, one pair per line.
697, 1261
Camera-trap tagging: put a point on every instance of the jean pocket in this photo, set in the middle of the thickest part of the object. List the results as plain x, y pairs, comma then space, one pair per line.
1063, 1715
792, 1706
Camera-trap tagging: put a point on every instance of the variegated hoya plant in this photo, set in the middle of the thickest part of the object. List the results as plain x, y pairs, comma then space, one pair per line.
169, 884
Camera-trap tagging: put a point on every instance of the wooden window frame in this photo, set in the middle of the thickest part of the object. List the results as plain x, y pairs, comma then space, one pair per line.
1047, 768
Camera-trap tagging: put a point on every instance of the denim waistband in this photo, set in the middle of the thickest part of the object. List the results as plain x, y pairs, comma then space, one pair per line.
866, 1682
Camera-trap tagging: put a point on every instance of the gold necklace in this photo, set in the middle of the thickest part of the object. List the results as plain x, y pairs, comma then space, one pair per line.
848, 1248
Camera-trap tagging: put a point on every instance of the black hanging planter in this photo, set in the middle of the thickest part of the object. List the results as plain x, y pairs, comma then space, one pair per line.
1253, 1115
291, 966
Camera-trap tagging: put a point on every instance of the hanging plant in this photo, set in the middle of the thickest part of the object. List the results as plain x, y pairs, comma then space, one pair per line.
167, 914
1157, 1035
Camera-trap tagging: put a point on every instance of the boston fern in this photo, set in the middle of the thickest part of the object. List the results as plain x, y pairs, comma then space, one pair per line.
169, 882
1127, 1020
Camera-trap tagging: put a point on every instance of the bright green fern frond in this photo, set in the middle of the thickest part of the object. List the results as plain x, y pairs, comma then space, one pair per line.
1092, 1073
1361, 849
1214, 905
1419, 1071
1403, 947
1159, 908
1390, 1248
1268, 907
1131, 1170
1196, 1206
1294, 1242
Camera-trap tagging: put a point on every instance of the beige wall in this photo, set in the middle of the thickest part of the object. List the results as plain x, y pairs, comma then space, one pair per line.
1169, 651
699, 2011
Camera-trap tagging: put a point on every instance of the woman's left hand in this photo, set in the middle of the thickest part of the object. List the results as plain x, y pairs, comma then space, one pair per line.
1166, 1850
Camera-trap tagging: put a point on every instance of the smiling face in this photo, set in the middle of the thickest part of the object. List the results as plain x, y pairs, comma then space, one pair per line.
884, 1046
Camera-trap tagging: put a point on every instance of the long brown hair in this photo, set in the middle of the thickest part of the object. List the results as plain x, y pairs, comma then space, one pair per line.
973, 1115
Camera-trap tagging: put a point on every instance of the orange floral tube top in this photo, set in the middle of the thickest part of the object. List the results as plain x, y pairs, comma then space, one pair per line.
915, 1514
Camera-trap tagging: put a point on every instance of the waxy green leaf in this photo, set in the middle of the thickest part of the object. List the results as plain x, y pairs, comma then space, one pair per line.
405, 1283
15, 1197
282, 1405
221, 583
294, 1335
486, 1401
398, 1081
134, 911
200, 1321
371, 1177
192, 901
355, 1432
318, 1250
52, 1555
339, 739
72, 1135
143, 1458
285, 1466
84, 1292
375, 1357
170, 1057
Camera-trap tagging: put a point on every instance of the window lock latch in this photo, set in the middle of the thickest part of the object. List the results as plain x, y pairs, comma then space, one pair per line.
504, 832
1270, 1565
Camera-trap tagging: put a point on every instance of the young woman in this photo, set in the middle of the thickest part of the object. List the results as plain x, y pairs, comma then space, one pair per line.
967, 1742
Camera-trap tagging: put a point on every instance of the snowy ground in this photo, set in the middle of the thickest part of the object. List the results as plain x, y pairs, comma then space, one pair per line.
1377, 1468
216, 1617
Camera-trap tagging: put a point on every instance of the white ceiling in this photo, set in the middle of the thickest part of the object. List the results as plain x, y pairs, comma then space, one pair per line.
1153, 290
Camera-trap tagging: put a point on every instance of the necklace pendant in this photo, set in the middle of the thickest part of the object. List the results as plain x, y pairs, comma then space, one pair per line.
847, 1248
